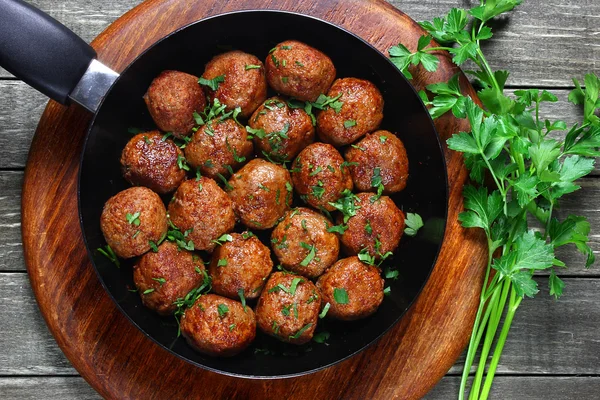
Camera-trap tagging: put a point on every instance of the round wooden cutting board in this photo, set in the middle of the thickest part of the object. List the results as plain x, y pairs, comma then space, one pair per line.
118, 360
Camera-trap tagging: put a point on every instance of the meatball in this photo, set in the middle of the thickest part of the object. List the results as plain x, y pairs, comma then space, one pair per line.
167, 275
218, 145
380, 154
241, 81
283, 130
203, 211
149, 161
303, 245
319, 176
131, 219
299, 70
354, 290
218, 326
377, 226
288, 308
360, 113
242, 264
261, 193
172, 99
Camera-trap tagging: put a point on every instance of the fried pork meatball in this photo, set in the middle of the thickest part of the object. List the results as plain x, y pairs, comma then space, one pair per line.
242, 264
167, 275
303, 245
149, 161
201, 208
299, 70
377, 226
378, 154
132, 218
360, 113
172, 99
319, 176
242, 81
285, 130
261, 193
354, 290
216, 145
218, 326
288, 308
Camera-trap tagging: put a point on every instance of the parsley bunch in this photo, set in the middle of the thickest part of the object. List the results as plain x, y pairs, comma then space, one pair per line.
517, 170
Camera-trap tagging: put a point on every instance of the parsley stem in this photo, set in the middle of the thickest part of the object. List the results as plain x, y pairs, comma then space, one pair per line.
430, 49
514, 303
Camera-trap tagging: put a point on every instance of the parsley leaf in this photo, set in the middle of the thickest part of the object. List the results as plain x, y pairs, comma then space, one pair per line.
213, 84
414, 222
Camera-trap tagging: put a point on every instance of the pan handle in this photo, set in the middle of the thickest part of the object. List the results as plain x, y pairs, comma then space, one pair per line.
49, 57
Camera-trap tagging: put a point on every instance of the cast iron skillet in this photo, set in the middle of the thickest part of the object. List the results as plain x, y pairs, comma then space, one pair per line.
61, 68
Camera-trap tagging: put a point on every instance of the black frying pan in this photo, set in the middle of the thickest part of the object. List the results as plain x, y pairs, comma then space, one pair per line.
55, 61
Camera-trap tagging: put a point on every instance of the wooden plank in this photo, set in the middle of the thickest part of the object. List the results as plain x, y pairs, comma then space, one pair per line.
64, 388
26, 345
548, 337
540, 46
583, 202
526, 388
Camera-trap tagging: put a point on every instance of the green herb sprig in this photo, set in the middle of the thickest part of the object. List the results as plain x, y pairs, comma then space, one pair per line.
509, 143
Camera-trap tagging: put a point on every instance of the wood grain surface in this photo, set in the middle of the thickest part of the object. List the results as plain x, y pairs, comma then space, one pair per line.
117, 360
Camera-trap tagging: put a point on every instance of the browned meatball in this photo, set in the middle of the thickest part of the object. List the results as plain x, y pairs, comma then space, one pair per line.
377, 226
284, 130
261, 193
172, 99
319, 176
167, 275
149, 161
361, 112
216, 145
242, 83
354, 290
379, 157
288, 308
132, 218
303, 245
201, 208
242, 264
218, 326
299, 70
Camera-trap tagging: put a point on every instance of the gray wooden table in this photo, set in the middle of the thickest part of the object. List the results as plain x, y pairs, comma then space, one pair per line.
553, 351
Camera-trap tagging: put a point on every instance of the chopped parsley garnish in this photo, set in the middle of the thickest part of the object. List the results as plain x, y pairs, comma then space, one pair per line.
301, 331
222, 262
275, 60
263, 187
414, 222
387, 291
247, 234
377, 182
133, 219
368, 228
311, 253
166, 136
324, 102
208, 164
357, 147
242, 298
251, 66
199, 187
298, 63
213, 84
286, 310
136, 233
325, 309
226, 237
231, 327
321, 337
338, 229
303, 223
175, 235
288, 186
209, 131
148, 291
318, 190
108, 252
184, 303
256, 223
236, 157
182, 163
391, 273
291, 290
198, 118
161, 281
275, 327
340, 295
382, 139
348, 164
259, 133
148, 141
316, 171
284, 47
277, 196
284, 79
346, 204
330, 168
349, 123
224, 180
314, 296
222, 309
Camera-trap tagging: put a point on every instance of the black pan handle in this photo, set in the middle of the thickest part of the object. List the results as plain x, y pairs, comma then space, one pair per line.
41, 51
